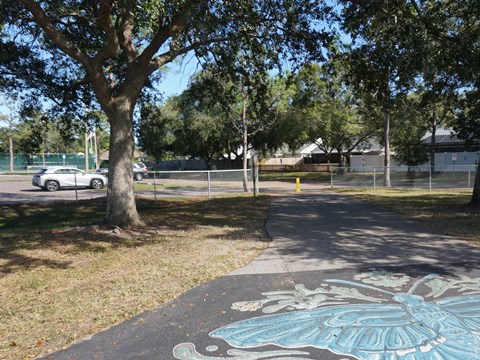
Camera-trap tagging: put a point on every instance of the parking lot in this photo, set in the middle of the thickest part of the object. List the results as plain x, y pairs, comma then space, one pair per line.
16, 189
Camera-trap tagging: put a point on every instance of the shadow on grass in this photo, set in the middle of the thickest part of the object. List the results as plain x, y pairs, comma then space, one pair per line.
226, 212
68, 228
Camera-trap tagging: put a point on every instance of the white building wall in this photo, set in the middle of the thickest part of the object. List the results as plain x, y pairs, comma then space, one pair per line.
465, 161
360, 161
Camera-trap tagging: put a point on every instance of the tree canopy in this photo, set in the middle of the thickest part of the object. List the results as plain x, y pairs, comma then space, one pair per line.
106, 54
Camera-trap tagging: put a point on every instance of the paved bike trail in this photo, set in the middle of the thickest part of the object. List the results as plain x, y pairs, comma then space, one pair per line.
342, 279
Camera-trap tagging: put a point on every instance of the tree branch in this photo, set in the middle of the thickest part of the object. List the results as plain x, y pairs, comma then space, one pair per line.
360, 139
170, 55
93, 67
125, 32
112, 47
431, 29
72, 15
162, 35
55, 35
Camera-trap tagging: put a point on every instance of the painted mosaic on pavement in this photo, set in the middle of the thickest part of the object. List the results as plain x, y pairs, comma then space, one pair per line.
331, 317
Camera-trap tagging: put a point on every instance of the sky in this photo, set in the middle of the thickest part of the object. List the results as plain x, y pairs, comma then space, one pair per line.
177, 76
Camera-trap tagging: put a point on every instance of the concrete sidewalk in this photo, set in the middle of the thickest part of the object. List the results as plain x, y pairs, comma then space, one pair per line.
342, 280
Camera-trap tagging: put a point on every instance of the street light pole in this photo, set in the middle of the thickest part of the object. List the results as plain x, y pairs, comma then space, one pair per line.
95, 147
86, 151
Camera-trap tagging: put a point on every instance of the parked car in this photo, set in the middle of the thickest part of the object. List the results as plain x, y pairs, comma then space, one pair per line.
140, 171
103, 171
61, 177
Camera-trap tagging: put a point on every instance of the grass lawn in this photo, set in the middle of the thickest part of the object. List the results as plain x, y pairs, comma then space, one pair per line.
63, 278
442, 210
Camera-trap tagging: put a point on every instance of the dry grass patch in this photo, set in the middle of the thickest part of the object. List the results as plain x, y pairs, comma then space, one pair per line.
64, 280
443, 210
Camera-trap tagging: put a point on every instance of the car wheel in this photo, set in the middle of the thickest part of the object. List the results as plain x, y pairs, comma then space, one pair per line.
138, 176
52, 185
96, 184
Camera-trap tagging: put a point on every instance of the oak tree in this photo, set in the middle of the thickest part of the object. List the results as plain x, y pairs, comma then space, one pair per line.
105, 54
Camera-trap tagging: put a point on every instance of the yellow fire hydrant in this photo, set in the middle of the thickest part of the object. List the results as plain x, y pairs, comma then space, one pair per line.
298, 185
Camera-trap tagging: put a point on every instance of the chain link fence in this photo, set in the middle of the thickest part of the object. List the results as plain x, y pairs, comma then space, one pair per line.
443, 177
18, 189
196, 183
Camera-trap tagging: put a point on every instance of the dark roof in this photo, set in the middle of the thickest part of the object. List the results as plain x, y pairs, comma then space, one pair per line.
447, 139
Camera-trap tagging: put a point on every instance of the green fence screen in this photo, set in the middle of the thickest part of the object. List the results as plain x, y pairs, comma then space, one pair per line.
26, 162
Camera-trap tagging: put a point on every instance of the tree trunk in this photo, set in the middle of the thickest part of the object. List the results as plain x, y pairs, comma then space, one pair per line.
121, 207
386, 129
432, 147
10, 147
245, 161
475, 201
208, 161
341, 162
245, 142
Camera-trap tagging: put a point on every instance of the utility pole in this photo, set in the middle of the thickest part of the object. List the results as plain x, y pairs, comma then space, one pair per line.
88, 136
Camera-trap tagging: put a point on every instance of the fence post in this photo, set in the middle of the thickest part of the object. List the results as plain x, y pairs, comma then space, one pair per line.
209, 189
374, 178
430, 178
255, 174
331, 178
155, 186
469, 179
76, 188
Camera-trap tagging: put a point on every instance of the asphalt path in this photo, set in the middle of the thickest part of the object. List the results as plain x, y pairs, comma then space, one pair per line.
341, 280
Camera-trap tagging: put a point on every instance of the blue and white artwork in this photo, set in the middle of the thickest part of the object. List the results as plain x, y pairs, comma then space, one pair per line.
398, 325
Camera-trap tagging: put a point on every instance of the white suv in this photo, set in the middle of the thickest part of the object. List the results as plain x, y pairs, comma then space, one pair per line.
61, 177
140, 171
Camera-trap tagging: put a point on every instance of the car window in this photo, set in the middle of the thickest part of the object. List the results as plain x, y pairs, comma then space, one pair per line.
76, 171
42, 171
62, 171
